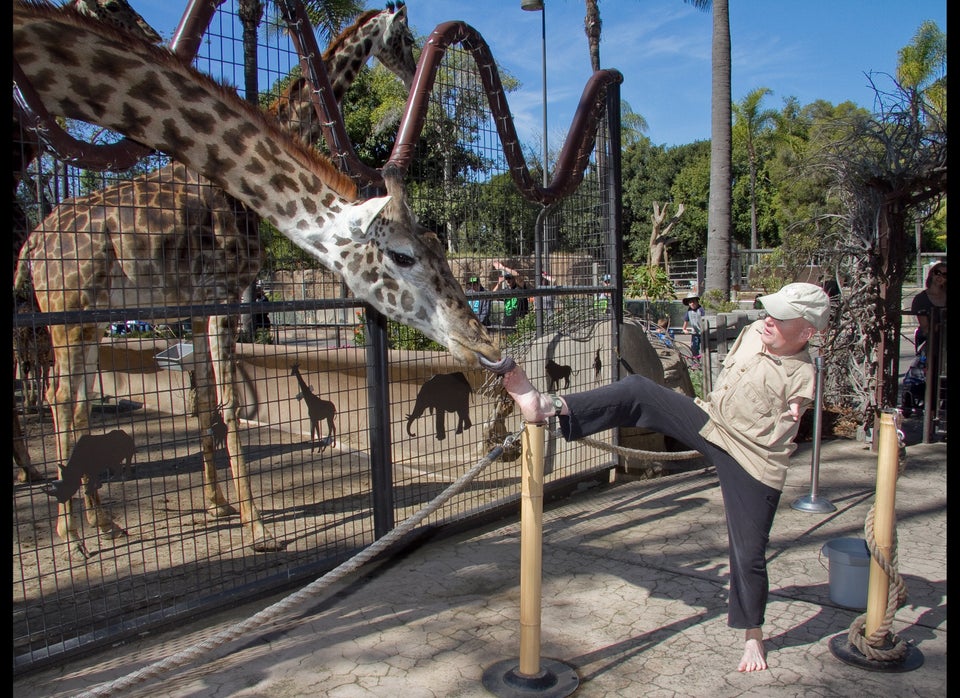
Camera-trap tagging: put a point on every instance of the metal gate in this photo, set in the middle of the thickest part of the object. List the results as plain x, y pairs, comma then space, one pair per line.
349, 422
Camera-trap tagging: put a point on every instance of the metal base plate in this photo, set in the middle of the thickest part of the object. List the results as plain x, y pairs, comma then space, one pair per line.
818, 505
842, 649
554, 680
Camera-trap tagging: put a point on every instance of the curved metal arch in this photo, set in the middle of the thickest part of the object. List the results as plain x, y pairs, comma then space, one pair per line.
581, 136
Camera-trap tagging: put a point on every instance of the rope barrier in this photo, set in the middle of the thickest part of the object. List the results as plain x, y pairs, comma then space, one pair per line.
636, 453
299, 598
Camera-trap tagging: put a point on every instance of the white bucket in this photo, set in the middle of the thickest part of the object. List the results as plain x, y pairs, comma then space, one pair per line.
849, 571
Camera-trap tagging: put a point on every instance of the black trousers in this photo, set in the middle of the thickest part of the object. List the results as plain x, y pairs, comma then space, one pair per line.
749, 504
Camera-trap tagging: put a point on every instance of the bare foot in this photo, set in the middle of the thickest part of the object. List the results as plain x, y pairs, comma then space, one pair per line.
754, 654
528, 398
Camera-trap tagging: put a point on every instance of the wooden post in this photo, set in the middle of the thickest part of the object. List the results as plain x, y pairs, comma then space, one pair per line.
884, 521
531, 547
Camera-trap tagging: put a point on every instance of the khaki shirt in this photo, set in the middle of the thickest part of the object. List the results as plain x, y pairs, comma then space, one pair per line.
749, 414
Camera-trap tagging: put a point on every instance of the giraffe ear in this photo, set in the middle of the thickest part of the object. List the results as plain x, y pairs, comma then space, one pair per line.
359, 216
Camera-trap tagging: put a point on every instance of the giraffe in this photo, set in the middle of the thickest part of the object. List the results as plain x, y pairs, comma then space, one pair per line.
317, 409
32, 349
376, 245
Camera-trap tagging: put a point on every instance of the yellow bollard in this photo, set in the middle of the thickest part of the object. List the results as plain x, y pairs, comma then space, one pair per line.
531, 547
884, 521
534, 675
890, 653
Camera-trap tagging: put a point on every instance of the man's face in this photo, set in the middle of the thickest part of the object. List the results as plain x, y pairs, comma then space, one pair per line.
785, 337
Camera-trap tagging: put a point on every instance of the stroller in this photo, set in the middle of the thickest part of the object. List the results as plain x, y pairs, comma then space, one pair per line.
914, 387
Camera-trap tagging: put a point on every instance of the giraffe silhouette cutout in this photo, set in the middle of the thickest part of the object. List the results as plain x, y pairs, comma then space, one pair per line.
318, 410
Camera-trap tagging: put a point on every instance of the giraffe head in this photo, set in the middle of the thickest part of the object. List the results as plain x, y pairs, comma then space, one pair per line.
117, 13
384, 34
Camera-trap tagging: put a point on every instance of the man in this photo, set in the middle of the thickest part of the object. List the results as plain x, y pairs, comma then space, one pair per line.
513, 308
745, 428
480, 306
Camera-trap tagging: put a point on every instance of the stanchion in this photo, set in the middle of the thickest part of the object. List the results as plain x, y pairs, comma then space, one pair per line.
813, 501
533, 675
877, 649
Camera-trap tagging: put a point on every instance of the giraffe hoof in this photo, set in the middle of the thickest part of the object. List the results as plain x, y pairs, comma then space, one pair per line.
267, 544
78, 551
221, 511
112, 532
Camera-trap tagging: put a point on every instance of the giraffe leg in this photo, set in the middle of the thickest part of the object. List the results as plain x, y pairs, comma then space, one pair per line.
97, 515
222, 333
60, 396
206, 407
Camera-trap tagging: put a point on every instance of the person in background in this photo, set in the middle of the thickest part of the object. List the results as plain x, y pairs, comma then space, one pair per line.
745, 428
603, 298
691, 322
513, 308
933, 295
261, 318
480, 306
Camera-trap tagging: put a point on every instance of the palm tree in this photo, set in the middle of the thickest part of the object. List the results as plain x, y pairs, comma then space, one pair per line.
721, 187
751, 123
721, 154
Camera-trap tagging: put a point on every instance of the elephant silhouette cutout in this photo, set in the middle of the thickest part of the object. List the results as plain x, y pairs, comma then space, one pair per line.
93, 454
556, 373
445, 392
318, 410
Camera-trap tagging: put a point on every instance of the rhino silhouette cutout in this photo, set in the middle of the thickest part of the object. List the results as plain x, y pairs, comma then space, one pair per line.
445, 392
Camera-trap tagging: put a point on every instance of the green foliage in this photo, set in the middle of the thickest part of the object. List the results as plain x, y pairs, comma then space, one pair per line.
399, 336
641, 281
714, 300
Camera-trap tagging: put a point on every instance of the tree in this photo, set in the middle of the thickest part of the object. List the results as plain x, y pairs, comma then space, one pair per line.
721, 154
750, 124
887, 169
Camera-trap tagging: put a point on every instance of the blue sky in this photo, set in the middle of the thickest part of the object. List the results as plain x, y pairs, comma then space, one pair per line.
818, 49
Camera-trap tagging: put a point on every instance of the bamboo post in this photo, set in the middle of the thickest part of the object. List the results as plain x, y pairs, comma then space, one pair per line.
531, 547
884, 521
534, 675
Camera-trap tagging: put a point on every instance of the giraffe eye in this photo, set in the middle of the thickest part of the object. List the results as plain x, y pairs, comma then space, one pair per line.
401, 260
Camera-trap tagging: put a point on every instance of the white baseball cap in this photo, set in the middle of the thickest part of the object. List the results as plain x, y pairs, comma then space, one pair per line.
799, 300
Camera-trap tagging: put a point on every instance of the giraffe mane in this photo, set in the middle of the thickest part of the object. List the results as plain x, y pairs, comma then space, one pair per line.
325, 169
348, 33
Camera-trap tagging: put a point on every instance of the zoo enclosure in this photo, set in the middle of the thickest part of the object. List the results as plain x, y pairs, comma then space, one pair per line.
324, 495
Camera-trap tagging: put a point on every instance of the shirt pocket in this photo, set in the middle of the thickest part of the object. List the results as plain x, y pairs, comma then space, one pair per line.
752, 411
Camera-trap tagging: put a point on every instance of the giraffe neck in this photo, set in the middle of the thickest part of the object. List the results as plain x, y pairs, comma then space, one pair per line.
304, 388
155, 99
342, 60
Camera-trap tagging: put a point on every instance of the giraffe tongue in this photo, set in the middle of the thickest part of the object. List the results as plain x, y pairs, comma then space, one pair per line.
501, 367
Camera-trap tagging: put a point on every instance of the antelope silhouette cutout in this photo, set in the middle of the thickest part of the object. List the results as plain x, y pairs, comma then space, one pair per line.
318, 410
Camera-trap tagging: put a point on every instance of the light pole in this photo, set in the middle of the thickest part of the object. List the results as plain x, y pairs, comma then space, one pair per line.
533, 6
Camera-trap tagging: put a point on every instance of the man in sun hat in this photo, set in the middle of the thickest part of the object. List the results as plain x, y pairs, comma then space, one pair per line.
745, 428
